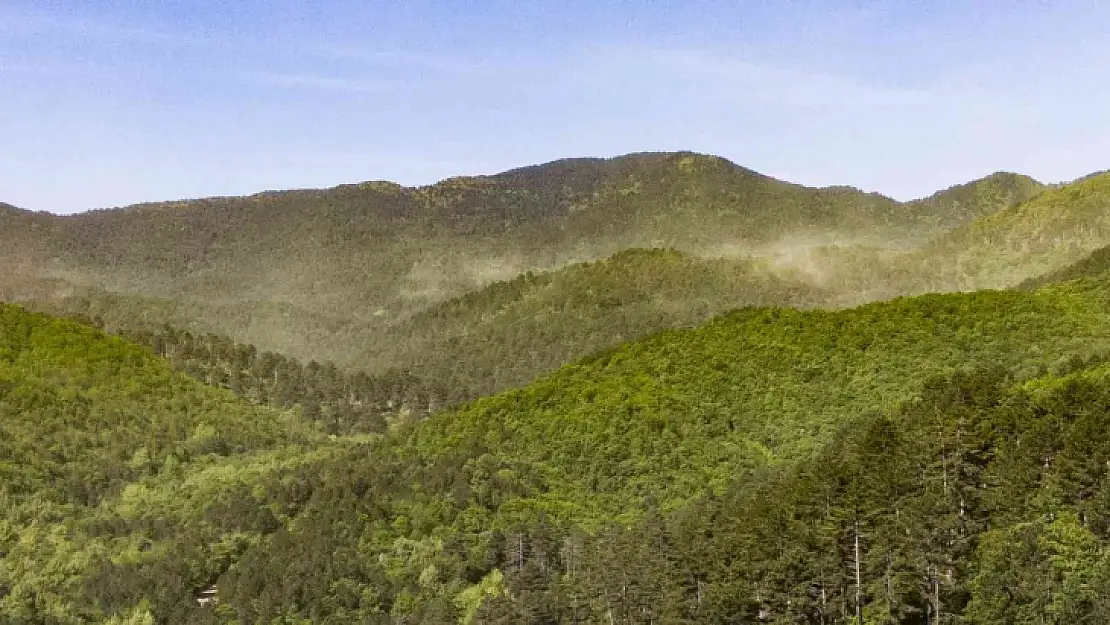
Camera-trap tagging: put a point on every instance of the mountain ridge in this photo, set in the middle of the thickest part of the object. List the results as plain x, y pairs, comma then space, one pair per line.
546, 168
1044, 233
323, 274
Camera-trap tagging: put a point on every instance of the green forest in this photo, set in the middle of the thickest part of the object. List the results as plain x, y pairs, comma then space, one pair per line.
818, 407
338, 274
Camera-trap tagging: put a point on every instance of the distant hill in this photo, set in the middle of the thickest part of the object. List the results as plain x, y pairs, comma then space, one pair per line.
1093, 265
1043, 234
508, 333
312, 273
960, 204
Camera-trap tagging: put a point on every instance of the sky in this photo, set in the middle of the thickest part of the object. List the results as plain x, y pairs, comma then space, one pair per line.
105, 103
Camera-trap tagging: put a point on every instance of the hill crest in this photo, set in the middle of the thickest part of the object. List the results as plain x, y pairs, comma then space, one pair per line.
299, 270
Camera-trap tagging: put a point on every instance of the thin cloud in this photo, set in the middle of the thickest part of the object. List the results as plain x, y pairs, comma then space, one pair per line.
759, 82
322, 83
720, 77
70, 71
27, 69
396, 59
31, 23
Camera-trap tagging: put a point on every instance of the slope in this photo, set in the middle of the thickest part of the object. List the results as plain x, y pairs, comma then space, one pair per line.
1047, 232
961, 204
667, 420
75, 397
503, 335
83, 417
1091, 266
509, 333
980, 502
433, 518
291, 270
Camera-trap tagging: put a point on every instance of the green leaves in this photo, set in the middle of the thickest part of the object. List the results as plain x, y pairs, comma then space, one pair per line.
697, 475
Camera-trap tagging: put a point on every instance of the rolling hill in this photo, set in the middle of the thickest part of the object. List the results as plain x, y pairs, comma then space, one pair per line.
607, 488
959, 205
520, 506
687, 466
83, 418
313, 272
1047, 232
511, 332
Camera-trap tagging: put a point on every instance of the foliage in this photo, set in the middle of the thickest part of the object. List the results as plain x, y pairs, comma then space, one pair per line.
335, 274
950, 448
1051, 230
1093, 265
84, 416
337, 402
698, 475
510, 333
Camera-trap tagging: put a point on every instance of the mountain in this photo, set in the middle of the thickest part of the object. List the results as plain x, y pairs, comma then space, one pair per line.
636, 456
509, 333
1045, 233
333, 273
1050, 229
652, 479
926, 459
1093, 265
960, 204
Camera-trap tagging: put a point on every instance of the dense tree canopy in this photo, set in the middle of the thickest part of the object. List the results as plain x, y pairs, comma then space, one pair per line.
596, 443
334, 274
715, 474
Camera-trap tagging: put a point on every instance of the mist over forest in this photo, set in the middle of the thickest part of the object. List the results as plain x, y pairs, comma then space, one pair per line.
657, 388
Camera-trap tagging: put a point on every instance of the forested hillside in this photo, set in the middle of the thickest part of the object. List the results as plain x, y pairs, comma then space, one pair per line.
636, 390
83, 418
959, 205
509, 333
978, 502
1091, 266
313, 273
700, 475
335, 401
1043, 234
1048, 232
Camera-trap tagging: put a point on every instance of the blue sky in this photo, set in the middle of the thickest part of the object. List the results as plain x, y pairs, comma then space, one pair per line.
105, 103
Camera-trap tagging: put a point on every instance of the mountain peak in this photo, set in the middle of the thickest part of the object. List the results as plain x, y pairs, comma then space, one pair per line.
686, 161
1023, 186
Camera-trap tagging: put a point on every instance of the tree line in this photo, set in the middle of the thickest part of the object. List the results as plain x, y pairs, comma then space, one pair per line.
338, 401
